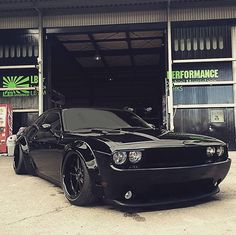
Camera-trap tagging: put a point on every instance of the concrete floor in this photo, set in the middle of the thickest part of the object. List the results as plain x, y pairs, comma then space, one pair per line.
30, 205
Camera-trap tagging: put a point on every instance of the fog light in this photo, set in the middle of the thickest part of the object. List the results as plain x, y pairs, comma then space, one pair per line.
210, 151
128, 195
220, 151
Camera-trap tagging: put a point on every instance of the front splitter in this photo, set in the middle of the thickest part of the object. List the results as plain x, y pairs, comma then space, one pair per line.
169, 202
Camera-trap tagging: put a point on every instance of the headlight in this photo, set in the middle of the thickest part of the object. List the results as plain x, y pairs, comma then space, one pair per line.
135, 156
210, 151
220, 151
119, 158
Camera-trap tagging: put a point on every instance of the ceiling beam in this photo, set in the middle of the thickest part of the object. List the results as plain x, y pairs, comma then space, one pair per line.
98, 51
97, 48
117, 52
111, 40
139, 69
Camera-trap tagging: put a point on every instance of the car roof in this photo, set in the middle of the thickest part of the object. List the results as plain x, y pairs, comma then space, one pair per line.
96, 108
92, 108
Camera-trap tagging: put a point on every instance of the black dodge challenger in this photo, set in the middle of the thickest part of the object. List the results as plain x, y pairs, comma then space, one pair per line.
115, 155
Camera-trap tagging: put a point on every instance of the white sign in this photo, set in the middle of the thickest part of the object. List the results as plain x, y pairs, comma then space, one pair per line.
217, 116
3, 114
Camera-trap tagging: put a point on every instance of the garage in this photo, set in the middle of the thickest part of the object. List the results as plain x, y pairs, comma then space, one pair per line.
118, 69
106, 54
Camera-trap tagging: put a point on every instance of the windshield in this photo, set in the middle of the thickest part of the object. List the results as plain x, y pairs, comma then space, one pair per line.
82, 118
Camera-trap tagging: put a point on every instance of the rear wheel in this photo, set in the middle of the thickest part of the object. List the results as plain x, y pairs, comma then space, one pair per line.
76, 182
18, 161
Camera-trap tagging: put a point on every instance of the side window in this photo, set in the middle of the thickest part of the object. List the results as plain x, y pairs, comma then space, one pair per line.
32, 132
40, 120
54, 120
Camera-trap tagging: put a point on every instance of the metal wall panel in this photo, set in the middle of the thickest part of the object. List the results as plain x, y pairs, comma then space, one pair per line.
21, 102
105, 18
198, 121
19, 47
201, 42
20, 22
129, 17
209, 13
9, 5
190, 14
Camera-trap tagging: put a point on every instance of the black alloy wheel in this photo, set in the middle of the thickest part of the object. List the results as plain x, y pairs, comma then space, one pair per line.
76, 181
74, 176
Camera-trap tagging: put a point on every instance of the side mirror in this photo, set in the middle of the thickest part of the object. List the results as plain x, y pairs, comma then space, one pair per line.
46, 127
20, 131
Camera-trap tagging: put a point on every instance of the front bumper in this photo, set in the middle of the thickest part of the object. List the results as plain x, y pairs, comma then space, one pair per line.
162, 186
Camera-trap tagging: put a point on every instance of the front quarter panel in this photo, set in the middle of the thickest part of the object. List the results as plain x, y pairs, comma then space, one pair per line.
89, 155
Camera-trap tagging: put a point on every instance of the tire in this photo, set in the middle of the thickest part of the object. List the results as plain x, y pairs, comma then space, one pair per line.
29, 165
18, 161
76, 182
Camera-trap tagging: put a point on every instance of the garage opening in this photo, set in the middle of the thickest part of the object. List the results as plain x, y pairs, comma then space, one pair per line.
120, 69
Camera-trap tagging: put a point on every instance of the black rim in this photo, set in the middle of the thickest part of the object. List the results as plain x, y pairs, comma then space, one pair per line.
73, 176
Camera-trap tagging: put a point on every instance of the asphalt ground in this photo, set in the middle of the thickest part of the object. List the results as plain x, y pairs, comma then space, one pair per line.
30, 205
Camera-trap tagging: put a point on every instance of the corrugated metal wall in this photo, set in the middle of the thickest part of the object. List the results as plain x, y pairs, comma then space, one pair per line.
20, 22
109, 18
201, 42
105, 18
209, 13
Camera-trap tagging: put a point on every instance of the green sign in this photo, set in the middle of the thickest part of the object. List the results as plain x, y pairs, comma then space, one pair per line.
19, 82
191, 75
194, 75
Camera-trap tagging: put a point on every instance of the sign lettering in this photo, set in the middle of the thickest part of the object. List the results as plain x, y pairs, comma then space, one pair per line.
194, 74
20, 82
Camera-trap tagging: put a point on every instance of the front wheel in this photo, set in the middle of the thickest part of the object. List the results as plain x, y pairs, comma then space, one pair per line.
76, 182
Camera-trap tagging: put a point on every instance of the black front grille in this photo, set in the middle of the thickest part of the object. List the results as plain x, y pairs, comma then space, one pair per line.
173, 157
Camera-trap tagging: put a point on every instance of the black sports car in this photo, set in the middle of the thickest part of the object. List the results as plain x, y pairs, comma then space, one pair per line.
115, 155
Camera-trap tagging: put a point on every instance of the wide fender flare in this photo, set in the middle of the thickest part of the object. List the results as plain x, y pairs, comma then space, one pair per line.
82, 149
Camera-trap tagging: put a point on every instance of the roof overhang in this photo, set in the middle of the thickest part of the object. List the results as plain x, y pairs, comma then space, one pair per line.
49, 6
16, 14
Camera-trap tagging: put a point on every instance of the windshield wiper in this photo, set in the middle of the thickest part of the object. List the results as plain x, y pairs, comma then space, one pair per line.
132, 127
96, 129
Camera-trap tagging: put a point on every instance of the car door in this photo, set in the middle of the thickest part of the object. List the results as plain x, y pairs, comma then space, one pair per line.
32, 147
46, 147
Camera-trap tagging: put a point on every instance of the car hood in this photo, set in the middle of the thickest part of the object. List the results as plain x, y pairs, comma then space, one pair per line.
149, 138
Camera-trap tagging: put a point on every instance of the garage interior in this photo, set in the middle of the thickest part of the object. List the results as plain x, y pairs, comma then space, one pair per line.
117, 69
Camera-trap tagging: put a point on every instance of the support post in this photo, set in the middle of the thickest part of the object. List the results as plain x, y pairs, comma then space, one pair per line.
40, 61
233, 43
169, 77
